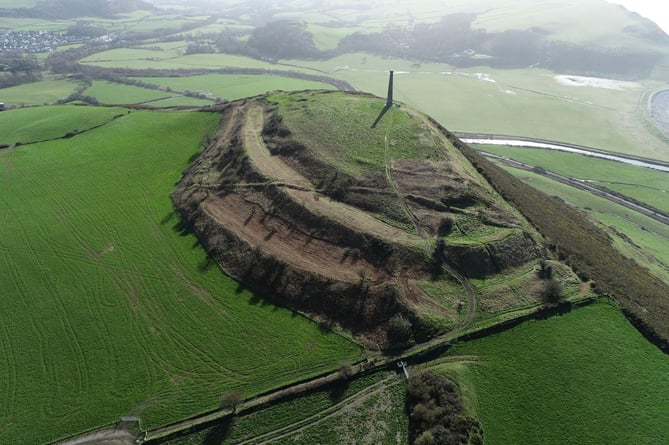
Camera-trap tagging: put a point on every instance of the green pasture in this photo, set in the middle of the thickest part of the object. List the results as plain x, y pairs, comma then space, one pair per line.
180, 101
142, 58
338, 127
221, 25
337, 413
109, 308
643, 184
526, 102
26, 125
154, 53
38, 93
161, 23
585, 377
328, 37
173, 48
235, 86
638, 236
115, 93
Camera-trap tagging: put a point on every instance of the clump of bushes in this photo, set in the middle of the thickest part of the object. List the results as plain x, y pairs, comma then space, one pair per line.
436, 415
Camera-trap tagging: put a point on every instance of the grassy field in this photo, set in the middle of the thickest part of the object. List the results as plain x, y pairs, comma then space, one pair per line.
233, 86
109, 309
643, 238
335, 126
113, 93
527, 102
27, 125
181, 101
643, 184
585, 377
137, 58
38, 93
364, 410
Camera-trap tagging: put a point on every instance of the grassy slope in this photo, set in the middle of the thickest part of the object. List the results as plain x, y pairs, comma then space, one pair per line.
643, 184
233, 87
43, 123
649, 238
137, 58
38, 93
329, 415
585, 377
527, 102
107, 309
113, 93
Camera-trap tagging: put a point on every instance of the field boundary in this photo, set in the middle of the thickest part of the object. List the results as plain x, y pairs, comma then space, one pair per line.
375, 362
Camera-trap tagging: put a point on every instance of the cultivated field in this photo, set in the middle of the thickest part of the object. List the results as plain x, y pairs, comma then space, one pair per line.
605, 383
121, 309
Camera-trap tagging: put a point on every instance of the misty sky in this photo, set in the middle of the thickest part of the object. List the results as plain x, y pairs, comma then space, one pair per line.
656, 10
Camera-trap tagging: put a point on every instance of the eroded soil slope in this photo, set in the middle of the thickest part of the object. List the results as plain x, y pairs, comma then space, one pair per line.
283, 205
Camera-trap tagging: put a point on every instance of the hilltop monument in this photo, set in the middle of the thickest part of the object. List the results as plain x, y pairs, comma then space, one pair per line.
389, 100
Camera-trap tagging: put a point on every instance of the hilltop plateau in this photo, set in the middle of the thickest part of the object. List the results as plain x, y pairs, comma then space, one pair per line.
299, 198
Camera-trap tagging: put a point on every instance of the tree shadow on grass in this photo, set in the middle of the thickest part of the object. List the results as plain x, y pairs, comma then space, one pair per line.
337, 391
218, 433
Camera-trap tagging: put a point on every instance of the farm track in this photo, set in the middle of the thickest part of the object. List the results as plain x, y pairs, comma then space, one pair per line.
326, 414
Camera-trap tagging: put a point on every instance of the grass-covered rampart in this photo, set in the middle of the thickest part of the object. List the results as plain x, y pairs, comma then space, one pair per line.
587, 248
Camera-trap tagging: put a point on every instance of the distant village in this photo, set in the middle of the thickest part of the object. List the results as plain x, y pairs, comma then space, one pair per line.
36, 41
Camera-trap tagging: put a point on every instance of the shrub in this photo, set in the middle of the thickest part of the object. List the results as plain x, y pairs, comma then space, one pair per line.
551, 291
399, 330
436, 414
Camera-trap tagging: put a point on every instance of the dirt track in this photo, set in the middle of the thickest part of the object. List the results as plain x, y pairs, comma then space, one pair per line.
103, 437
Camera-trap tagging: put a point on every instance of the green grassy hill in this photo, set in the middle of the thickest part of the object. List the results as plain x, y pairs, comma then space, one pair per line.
584, 377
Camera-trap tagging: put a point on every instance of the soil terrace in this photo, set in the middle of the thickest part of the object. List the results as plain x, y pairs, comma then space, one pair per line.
267, 224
